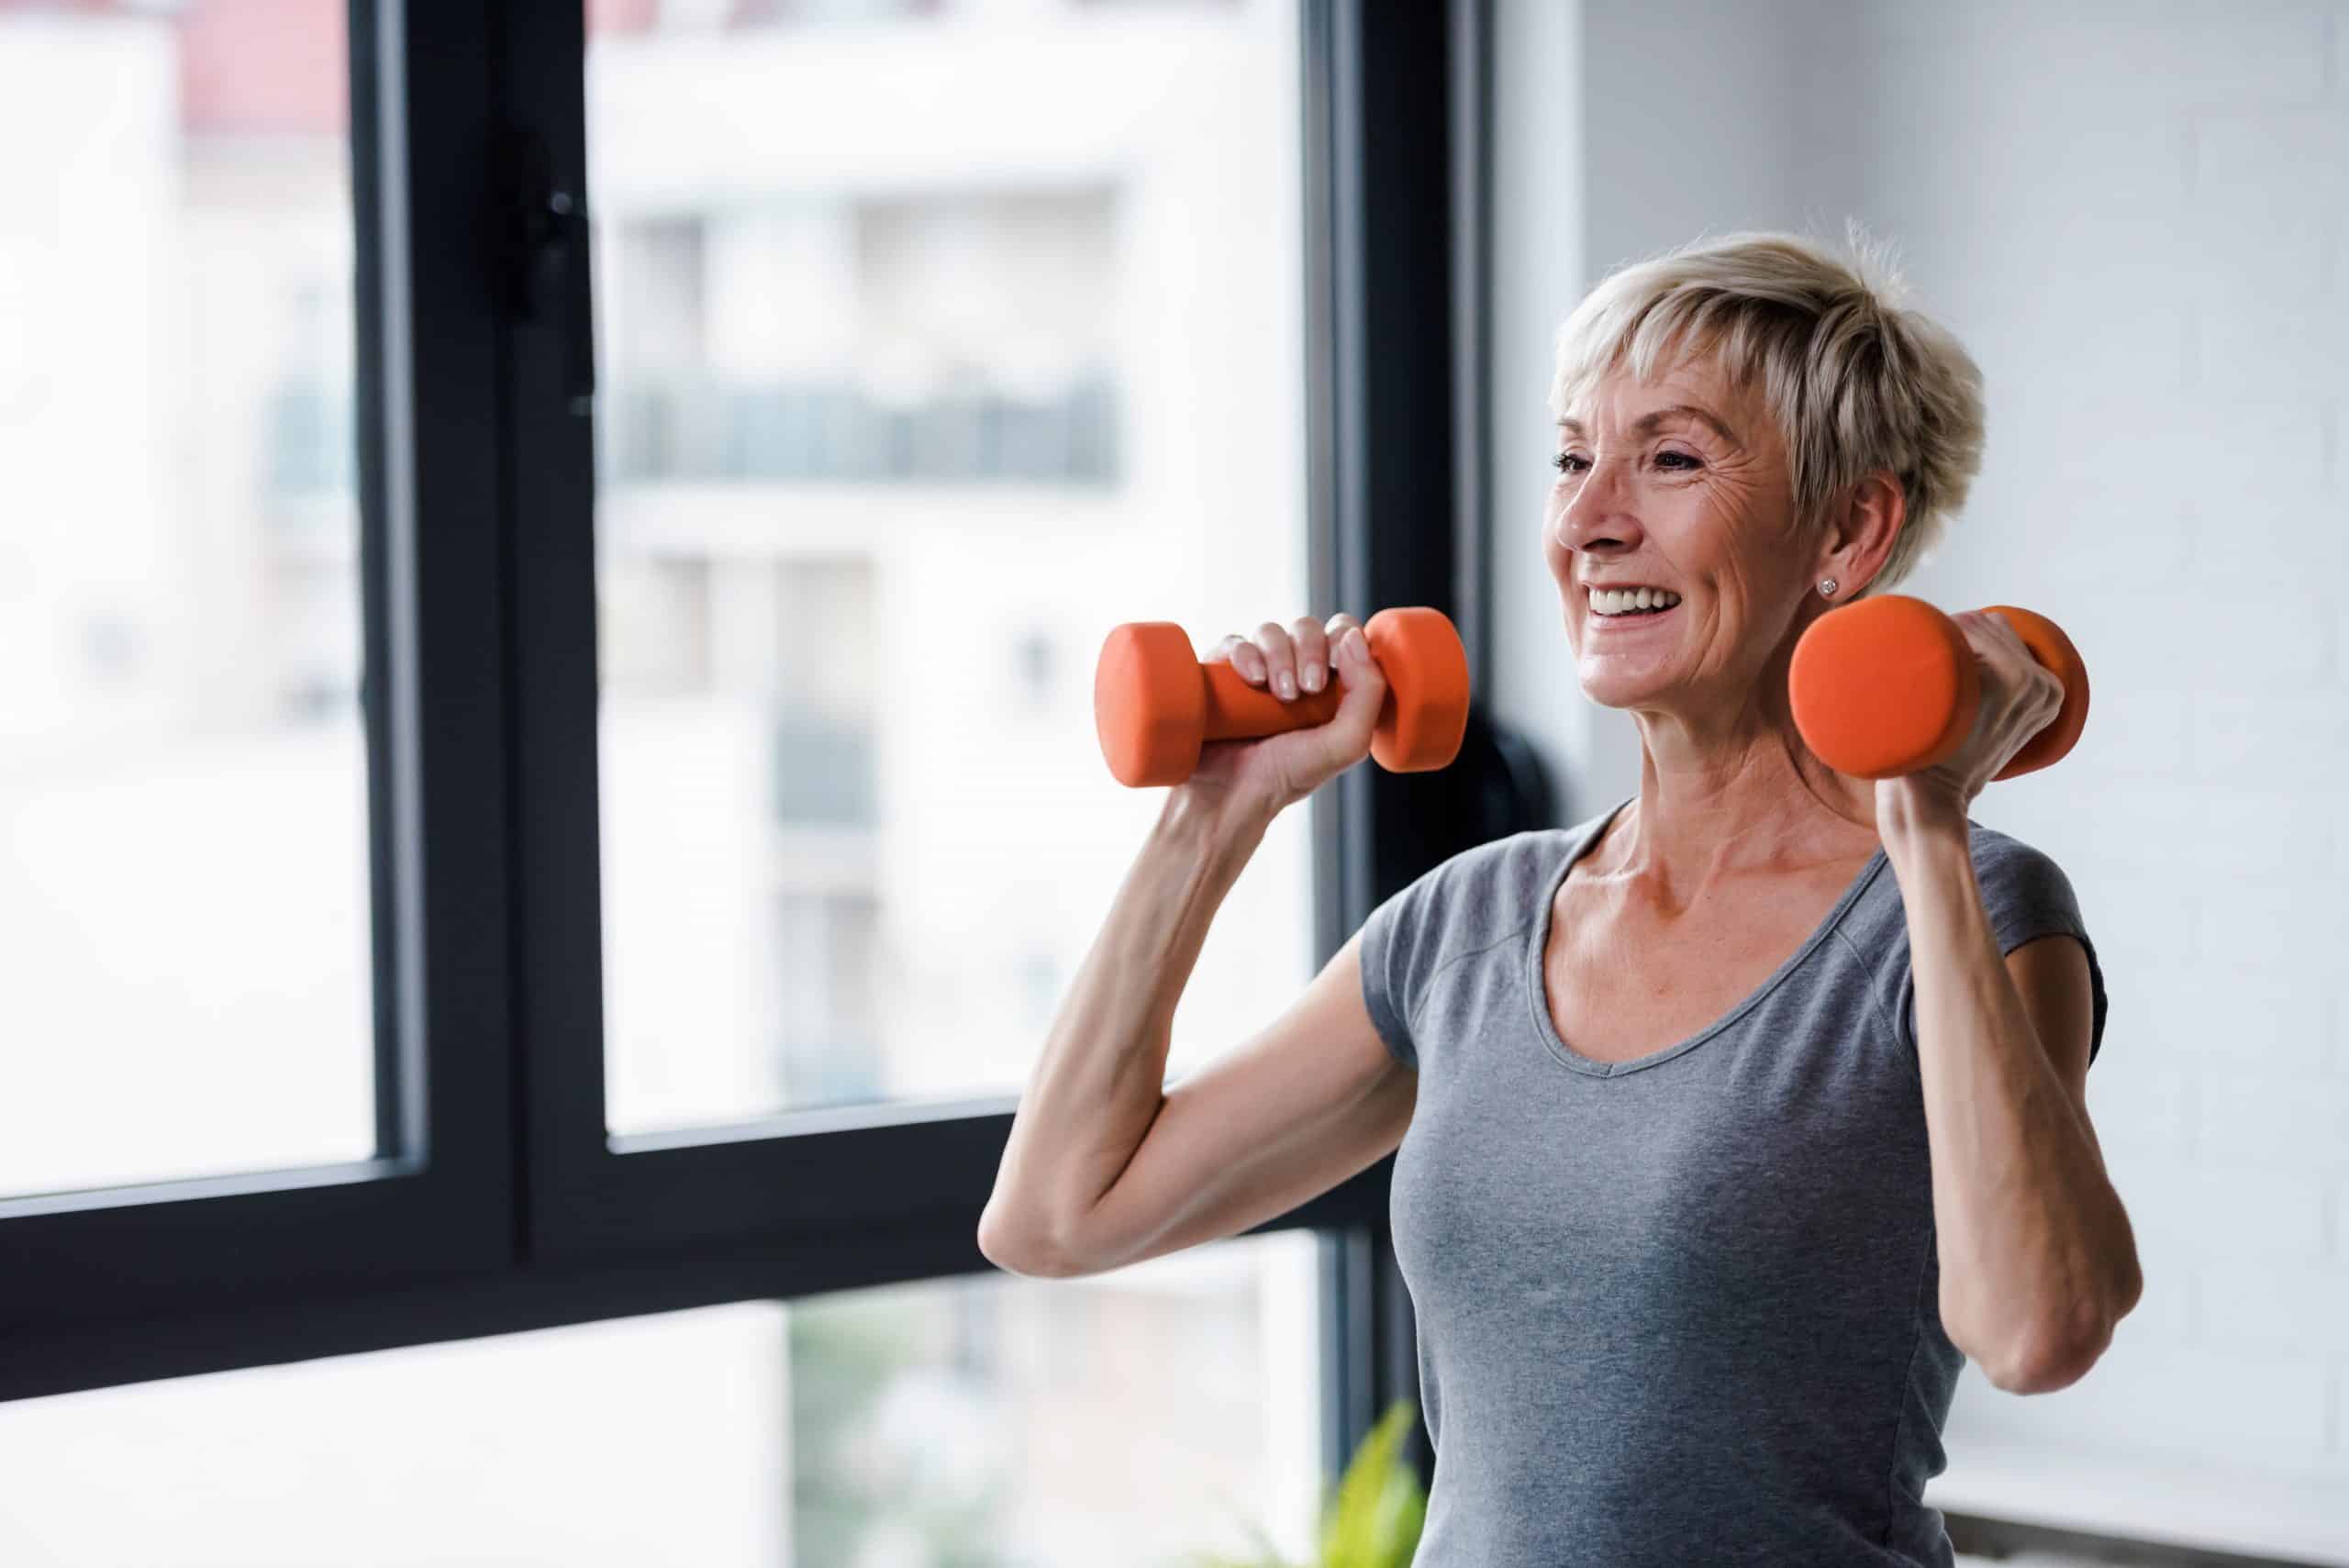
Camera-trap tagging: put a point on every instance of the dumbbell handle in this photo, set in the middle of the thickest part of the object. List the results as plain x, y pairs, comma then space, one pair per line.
1240, 711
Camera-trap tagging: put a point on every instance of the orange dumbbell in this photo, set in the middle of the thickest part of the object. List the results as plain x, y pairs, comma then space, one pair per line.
1886, 687
1155, 703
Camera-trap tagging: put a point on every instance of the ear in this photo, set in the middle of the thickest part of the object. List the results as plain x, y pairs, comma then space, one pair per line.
1861, 530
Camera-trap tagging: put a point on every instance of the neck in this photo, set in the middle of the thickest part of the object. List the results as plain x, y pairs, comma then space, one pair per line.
1732, 790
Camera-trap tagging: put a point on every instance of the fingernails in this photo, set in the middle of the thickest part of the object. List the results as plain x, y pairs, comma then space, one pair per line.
1312, 677
1286, 683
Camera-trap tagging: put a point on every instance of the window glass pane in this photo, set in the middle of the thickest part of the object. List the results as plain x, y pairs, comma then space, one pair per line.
1137, 1417
937, 340
183, 869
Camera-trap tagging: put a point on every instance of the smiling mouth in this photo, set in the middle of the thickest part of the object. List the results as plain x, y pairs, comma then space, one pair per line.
1624, 625
1623, 607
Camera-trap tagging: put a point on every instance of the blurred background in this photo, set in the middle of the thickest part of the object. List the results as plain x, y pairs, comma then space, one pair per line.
867, 353
933, 335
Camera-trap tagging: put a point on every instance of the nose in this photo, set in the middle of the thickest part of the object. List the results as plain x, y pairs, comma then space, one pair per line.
1598, 519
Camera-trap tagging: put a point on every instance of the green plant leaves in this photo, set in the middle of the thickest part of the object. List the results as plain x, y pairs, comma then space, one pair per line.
1371, 1519
1380, 1506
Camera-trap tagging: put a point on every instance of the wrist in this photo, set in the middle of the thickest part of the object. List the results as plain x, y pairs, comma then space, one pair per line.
1221, 814
1909, 812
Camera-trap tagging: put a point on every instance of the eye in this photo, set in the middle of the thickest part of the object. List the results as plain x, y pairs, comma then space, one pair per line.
1678, 459
1569, 463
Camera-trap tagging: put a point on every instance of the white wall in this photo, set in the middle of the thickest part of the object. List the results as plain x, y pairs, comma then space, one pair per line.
1622, 129
2132, 216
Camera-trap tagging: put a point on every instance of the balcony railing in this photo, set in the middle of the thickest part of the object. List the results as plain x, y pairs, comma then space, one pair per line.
652, 432
692, 430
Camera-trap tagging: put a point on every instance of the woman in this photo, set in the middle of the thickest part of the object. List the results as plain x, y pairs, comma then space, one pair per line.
1731, 1120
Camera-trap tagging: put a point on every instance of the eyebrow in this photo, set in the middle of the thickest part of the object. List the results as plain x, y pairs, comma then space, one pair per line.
1647, 423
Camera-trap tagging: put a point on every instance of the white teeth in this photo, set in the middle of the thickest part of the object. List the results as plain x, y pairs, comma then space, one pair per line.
1622, 601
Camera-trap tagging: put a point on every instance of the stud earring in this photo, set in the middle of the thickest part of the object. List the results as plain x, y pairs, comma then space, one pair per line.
1827, 588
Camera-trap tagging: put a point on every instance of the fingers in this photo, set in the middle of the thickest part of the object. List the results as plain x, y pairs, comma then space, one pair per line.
1351, 656
1990, 633
2039, 693
1288, 661
1999, 645
1280, 658
2048, 694
1242, 655
1312, 650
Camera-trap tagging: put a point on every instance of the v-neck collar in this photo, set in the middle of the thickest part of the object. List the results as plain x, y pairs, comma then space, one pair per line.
1537, 981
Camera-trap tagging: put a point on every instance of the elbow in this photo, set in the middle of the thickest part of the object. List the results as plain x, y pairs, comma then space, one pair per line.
999, 1244
1021, 1250
2060, 1352
2043, 1368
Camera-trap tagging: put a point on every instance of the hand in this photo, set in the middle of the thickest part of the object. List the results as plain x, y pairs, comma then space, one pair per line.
1271, 772
2019, 697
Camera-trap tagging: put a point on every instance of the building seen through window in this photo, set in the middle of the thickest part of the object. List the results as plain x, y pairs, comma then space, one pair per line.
935, 338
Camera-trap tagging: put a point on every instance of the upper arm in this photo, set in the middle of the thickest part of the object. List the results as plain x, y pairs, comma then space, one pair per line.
2051, 975
2054, 975
1309, 1100
2028, 900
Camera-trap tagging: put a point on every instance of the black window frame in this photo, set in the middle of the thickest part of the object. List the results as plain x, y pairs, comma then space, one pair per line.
520, 1213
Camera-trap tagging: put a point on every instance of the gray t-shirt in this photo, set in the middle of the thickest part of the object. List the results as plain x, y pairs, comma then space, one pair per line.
1682, 1308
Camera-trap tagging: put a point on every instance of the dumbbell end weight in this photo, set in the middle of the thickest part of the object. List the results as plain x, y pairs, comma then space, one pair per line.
1149, 704
1883, 686
1426, 713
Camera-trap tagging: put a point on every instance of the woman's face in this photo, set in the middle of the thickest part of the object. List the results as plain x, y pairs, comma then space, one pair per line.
1680, 486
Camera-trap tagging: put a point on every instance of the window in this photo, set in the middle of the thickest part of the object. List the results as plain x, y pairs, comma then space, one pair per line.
183, 799
548, 776
983, 1420
910, 400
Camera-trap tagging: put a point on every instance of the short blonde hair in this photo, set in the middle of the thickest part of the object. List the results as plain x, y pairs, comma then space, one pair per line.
1856, 382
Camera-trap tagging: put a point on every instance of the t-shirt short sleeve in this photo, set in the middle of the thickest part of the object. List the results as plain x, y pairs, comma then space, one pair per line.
2027, 895
1397, 952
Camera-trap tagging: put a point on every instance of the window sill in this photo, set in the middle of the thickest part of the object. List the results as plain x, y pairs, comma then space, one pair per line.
2207, 1506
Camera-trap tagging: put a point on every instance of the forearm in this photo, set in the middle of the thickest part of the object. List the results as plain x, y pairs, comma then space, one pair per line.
2037, 1259
1100, 1081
